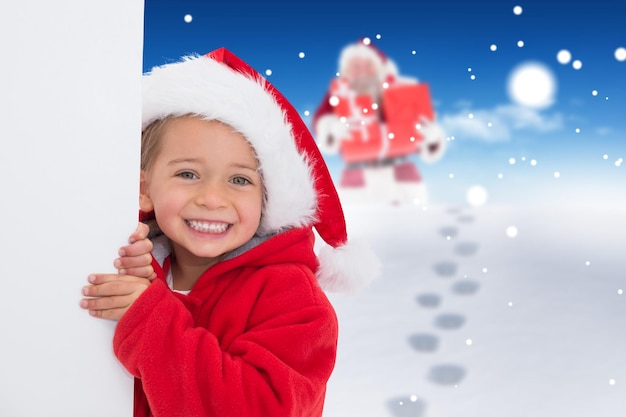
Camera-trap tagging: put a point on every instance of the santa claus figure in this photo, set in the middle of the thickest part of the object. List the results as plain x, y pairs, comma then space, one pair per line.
376, 120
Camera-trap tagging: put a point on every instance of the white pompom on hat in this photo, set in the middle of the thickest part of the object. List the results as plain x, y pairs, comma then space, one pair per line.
299, 189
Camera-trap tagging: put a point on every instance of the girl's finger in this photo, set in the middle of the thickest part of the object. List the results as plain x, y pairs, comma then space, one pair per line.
141, 232
140, 247
133, 261
102, 278
125, 285
107, 303
146, 272
113, 314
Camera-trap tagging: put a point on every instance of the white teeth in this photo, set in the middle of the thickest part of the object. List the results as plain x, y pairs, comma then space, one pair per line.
207, 227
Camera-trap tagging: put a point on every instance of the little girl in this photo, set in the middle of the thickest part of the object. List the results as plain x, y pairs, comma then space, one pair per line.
236, 322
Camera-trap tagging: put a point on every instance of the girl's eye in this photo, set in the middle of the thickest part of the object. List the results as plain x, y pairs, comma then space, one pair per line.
240, 181
187, 175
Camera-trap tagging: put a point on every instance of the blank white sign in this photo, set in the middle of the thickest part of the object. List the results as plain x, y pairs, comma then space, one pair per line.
69, 156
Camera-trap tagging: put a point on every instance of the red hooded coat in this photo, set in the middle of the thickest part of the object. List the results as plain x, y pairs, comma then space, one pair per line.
256, 336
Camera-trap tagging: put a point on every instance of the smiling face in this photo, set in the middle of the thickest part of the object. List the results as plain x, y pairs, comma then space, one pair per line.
204, 187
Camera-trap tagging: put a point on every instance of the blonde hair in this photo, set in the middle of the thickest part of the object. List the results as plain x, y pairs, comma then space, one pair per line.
151, 141
153, 133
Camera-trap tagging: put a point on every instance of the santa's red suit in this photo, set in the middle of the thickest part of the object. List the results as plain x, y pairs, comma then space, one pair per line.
375, 119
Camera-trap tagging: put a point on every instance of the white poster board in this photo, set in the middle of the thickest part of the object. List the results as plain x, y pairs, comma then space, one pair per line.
70, 94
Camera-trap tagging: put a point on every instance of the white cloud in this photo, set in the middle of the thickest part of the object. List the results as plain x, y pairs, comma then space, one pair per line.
499, 123
603, 131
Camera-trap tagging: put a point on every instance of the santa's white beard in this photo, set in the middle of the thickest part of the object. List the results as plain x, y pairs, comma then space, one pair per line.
366, 86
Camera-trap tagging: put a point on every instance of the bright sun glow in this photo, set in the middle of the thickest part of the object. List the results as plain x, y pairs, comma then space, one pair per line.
533, 85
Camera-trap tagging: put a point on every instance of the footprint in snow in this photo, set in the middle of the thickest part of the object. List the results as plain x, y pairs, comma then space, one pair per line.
410, 406
445, 268
424, 342
466, 248
454, 210
449, 231
429, 300
449, 321
465, 287
446, 374
465, 218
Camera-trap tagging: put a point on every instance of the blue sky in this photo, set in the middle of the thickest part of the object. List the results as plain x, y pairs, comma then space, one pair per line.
577, 143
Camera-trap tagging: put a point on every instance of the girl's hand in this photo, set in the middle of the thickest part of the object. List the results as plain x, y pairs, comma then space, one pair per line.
135, 258
111, 295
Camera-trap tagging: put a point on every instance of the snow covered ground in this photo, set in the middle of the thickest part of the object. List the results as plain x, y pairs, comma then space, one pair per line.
469, 321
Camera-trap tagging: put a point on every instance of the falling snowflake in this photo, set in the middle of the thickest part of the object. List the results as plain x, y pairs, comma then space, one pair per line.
564, 56
511, 231
476, 195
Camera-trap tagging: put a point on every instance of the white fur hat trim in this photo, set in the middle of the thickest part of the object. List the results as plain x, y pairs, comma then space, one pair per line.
202, 86
347, 268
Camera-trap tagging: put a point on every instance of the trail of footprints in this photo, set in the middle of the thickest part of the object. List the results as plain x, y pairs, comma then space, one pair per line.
444, 374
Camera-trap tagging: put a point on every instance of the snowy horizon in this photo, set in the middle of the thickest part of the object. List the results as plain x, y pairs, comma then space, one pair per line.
485, 311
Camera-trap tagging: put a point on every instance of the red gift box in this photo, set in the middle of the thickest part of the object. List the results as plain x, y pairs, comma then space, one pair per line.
404, 107
364, 142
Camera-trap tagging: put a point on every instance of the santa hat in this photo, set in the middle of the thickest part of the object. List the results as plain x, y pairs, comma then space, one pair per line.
299, 189
364, 48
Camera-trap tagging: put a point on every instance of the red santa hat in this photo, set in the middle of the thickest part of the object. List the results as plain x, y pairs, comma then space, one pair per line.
299, 189
364, 48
